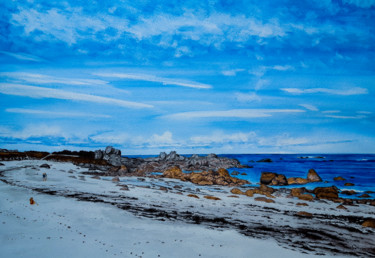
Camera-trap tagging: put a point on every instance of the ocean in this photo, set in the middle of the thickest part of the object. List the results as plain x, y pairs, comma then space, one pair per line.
358, 169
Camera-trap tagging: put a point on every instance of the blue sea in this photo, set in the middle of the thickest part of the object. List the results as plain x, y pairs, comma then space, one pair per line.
358, 169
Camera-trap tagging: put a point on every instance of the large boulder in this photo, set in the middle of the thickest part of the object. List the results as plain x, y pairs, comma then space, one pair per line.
99, 154
109, 150
269, 178
312, 176
329, 193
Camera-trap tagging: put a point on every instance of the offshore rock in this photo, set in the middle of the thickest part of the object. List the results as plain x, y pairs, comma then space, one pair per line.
312, 176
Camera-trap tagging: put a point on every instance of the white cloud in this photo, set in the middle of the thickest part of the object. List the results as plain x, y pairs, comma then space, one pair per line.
251, 97
232, 72
67, 26
163, 139
344, 92
39, 92
346, 117
364, 112
35, 130
281, 67
152, 78
309, 107
53, 113
23, 56
222, 138
331, 111
233, 113
46, 79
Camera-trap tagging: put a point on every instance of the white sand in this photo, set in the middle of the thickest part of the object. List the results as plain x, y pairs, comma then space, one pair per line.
64, 227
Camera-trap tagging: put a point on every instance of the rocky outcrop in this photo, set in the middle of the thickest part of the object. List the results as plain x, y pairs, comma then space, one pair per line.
265, 160
111, 155
339, 178
194, 163
211, 177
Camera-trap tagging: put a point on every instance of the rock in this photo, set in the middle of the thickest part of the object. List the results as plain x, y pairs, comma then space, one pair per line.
162, 188
123, 170
173, 172
212, 197
369, 192
370, 223
297, 181
235, 173
124, 187
306, 197
295, 192
339, 178
95, 177
116, 179
348, 184
1, 164
249, 193
265, 160
269, 178
193, 195
364, 196
233, 196
243, 174
99, 154
341, 207
302, 204
304, 214
266, 189
109, 150
312, 176
350, 192
328, 193
264, 199
236, 191
44, 166
114, 160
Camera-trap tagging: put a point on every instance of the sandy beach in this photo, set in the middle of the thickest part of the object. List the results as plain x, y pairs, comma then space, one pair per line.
77, 215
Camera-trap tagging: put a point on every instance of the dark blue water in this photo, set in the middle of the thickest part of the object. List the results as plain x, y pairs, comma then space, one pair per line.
358, 169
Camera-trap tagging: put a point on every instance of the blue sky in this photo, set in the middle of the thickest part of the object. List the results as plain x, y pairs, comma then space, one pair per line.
192, 76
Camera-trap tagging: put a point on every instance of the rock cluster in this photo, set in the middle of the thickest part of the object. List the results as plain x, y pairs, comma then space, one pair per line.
269, 178
110, 154
211, 177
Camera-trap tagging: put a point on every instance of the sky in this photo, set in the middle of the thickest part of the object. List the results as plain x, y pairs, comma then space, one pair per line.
238, 76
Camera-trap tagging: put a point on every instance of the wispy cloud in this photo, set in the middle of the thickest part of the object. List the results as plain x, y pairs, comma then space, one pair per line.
331, 111
344, 92
39, 92
232, 72
250, 97
46, 79
309, 107
23, 56
346, 117
233, 113
53, 113
151, 78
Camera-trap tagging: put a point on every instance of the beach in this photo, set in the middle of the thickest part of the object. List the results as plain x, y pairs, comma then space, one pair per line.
79, 215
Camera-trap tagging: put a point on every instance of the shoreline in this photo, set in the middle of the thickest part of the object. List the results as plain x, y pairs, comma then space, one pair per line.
327, 231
